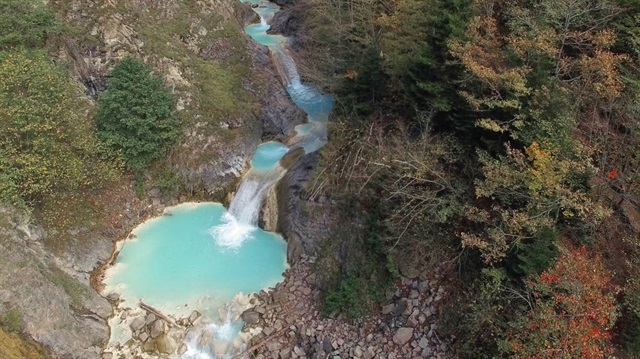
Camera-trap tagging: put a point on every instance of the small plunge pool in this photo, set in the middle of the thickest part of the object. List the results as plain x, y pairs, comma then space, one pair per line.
174, 264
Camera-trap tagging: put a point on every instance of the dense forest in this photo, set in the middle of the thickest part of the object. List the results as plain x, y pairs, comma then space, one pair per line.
495, 144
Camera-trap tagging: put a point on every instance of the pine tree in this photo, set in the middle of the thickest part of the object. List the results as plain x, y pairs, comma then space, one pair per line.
135, 114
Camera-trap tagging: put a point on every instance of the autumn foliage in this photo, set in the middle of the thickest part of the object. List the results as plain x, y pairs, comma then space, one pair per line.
573, 312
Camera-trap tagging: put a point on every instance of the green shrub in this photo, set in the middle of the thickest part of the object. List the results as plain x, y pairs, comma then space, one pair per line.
25, 23
46, 142
354, 297
357, 285
135, 114
11, 320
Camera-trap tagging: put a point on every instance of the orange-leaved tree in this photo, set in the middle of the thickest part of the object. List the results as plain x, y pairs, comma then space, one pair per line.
573, 312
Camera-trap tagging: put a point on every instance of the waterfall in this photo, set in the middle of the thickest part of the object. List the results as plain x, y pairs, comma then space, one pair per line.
287, 67
245, 207
244, 211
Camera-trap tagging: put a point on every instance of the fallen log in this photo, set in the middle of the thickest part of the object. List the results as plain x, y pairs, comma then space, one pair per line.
157, 313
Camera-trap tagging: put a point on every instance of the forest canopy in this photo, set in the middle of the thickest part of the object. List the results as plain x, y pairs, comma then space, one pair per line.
504, 138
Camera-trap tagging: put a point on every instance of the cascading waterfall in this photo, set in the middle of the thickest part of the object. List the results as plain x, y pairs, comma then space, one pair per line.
173, 265
242, 218
244, 210
287, 66
265, 171
245, 206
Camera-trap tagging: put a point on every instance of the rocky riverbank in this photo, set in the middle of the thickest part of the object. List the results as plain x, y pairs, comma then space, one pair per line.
291, 325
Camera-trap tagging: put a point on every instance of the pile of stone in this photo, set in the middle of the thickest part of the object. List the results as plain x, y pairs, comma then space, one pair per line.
411, 319
156, 334
152, 332
291, 326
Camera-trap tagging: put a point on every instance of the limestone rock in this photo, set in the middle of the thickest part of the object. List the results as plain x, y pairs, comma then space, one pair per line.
34, 280
149, 346
423, 287
157, 328
403, 335
388, 308
165, 344
194, 317
143, 337
412, 321
251, 317
424, 342
401, 307
137, 324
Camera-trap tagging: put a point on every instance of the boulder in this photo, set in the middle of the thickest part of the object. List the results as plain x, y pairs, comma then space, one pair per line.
401, 307
326, 345
412, 321
273, 346
165, 345
403, 336
388, 308
423, 287
279, 297
424, 342
149, 346
143, 337
137, 324
113, 297
194, 316
157, 328
251, 317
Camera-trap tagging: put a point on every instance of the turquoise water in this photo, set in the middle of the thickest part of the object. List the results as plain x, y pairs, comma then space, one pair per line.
313, 102
176, 266
304, 129
259, 33
267, 155
310, 136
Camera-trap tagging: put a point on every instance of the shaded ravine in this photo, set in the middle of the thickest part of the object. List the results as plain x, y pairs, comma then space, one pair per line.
233, 233
271, 160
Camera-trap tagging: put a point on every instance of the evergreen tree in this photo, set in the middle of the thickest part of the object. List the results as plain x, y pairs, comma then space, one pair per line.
135, 114
417, 40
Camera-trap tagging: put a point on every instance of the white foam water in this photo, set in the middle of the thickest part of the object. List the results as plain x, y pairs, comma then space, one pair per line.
231, 233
